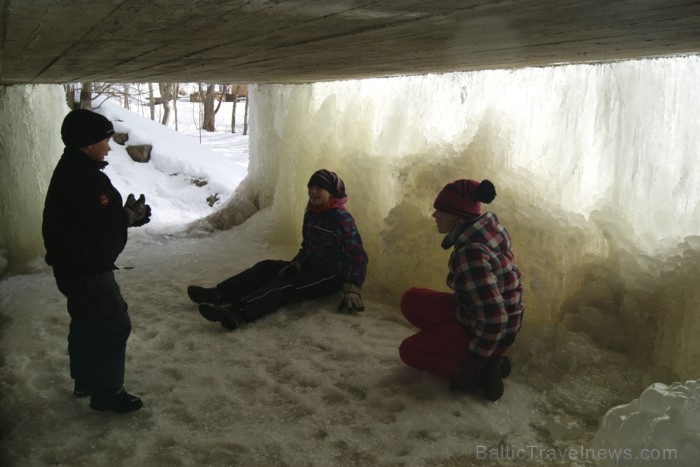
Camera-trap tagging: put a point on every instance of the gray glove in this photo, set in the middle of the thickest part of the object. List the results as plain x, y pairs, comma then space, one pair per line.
139, 212
352, 299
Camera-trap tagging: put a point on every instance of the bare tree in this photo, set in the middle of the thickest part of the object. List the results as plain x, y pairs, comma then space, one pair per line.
84, 98
126, 95
86, 95
233, 112
222, 94
69, 90
209, 120
166, 95
176, 92
245, 117
151, 101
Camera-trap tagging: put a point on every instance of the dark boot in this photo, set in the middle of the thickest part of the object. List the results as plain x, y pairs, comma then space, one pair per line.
120, 402
504, 365
203, 295
490, 379
81, 388
229, 316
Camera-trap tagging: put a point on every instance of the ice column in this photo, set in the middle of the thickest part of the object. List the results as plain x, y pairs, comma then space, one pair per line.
30, 145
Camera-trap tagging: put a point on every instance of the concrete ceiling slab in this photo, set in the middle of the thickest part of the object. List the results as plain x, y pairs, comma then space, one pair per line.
296, 41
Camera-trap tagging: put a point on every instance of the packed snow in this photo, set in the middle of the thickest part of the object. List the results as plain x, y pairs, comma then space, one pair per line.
308, 386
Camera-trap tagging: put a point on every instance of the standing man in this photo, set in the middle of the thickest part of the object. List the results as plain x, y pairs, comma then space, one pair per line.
85, 230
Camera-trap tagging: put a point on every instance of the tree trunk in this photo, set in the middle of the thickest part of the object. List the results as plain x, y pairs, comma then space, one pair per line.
176, 91
209, 121
233, 112
166, 91
245, 118
86, 95
70, 96
221, 98
151, 103
126, 96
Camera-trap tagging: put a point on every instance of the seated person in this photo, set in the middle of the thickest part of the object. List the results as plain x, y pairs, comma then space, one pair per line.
331, 259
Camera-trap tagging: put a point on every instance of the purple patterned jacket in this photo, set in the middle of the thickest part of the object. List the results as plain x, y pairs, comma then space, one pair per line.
331, 238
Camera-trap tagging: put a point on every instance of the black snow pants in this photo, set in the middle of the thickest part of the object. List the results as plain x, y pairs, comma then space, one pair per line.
261, 289
99, 328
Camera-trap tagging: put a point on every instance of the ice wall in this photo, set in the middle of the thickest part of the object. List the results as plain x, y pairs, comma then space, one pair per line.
661, 428
594, 167
30, 145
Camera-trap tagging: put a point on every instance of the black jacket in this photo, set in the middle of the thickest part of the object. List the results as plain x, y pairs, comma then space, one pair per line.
85, 223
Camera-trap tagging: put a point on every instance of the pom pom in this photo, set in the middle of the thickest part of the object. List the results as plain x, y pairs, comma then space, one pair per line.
486, 191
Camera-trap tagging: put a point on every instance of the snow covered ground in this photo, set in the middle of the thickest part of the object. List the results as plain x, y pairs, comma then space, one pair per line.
306, 386
182, 174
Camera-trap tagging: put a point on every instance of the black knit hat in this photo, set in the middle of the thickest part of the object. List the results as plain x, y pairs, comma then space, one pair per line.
329, 181
84, 127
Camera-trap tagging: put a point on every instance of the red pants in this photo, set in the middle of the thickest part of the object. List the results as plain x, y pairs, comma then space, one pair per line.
441, 344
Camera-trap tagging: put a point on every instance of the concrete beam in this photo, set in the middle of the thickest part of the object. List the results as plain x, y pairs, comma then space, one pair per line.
294, 41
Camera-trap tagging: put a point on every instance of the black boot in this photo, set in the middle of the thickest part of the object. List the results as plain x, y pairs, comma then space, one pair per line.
81, 388
229, 316
119, 402
203, 295
490, 379
504, 365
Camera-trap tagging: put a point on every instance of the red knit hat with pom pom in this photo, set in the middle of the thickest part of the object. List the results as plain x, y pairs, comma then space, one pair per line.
463, 197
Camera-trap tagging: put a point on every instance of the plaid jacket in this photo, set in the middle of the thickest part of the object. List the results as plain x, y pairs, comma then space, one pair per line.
486, 284
330, 238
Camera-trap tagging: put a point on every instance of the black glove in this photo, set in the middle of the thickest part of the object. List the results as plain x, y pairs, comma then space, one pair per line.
146, 217
290, 269
139, 211
352, 299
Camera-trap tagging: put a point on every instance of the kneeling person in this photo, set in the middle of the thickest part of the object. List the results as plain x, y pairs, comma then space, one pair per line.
463, 335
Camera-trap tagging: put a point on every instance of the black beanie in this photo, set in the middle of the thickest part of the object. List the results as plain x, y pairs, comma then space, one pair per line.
84, 127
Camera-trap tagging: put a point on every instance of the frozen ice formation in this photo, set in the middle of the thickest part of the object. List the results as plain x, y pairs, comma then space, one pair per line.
661, 428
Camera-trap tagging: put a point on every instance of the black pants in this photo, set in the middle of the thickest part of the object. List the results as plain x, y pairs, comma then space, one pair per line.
99, 329
261, 290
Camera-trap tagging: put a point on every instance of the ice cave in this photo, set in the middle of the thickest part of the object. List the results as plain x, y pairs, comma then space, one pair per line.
596, 171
